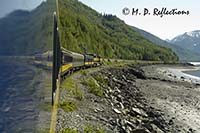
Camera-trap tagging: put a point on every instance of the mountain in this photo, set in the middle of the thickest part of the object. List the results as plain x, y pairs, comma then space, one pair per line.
27, 32
183, 53
167, 40
189, 41
82, 28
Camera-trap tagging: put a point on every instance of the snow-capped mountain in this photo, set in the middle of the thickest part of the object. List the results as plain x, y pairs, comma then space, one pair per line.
183, 54
167, 40
188, 40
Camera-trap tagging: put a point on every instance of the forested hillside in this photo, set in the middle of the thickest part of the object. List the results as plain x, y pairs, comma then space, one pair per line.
83, 28
27, 32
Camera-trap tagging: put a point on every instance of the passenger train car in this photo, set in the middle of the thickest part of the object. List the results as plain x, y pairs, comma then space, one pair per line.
66, 62
71, 61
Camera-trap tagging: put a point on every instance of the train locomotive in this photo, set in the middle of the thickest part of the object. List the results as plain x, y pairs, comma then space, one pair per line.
66, 62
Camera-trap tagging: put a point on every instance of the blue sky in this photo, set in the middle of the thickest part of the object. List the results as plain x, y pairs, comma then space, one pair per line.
7, 6
166, 27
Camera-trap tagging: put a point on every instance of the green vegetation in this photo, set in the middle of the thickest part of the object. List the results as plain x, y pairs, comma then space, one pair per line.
29, 32
121, 64
92, 129
68, 106
106, 35
93, 86
106, 62
68, 130
70, 84
101, 79
83, 72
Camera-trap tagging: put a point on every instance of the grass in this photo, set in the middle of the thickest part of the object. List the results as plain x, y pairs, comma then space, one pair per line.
92, 129
83, 72
107, 62
68, 106
101, 79
115, 62
70, 84
93, 86
69, 130
123, 63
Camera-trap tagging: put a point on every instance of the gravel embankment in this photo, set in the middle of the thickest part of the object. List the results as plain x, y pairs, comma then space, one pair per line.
136, 99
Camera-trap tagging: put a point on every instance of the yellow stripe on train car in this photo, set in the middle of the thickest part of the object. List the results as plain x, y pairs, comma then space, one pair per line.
96, 59
89, 63
66, 67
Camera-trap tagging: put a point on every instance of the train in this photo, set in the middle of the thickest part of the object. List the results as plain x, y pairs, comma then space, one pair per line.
71, 61
66, 62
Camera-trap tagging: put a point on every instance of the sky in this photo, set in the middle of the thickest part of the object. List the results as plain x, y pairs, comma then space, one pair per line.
166, 27
7, 6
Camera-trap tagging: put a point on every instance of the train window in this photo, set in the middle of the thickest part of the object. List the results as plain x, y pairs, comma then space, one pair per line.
68, 59
63, 59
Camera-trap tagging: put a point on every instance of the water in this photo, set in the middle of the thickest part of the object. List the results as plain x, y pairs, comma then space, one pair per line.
194, 73
19, 96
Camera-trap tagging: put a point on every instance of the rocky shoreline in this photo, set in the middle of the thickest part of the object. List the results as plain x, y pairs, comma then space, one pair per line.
130, 103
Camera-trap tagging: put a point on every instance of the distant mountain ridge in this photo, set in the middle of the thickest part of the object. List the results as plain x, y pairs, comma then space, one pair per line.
192, 34
189, 41
183, 53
